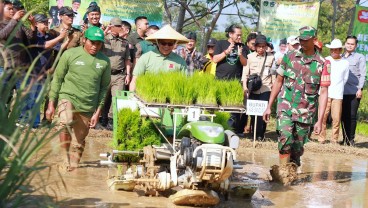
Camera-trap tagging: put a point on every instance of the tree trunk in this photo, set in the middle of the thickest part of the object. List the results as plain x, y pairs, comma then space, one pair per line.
334, 4
212, 26
179, 25
352, 18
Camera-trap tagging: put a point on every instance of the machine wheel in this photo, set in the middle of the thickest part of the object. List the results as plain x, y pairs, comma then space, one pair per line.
188, 156
185, 142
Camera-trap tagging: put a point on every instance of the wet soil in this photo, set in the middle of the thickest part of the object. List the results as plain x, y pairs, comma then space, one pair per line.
332, 176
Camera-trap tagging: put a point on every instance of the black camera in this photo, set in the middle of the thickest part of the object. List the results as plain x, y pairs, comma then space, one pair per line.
70, 31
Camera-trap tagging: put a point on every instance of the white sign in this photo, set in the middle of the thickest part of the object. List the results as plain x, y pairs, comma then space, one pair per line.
256, 107
193, 114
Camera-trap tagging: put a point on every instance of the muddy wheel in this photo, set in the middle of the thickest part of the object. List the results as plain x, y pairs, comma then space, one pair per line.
195, 198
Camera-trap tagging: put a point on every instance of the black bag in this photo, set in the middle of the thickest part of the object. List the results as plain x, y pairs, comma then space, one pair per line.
254, 81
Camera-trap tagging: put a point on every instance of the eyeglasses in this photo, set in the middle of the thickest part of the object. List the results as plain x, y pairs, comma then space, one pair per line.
69, 15
166, 43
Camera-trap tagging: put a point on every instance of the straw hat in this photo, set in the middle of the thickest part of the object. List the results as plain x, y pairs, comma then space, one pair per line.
168, 33
335, 44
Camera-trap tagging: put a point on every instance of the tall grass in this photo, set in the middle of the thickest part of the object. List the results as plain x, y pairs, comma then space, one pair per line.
19, 146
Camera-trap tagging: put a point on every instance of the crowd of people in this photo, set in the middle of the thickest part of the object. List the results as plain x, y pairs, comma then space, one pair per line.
96, 61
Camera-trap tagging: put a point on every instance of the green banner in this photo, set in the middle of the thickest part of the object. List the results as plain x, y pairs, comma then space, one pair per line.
360, 30
281, 19
126, 10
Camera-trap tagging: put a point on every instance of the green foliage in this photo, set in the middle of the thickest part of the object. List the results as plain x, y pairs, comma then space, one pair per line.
362, 128
36, 6
19, 145
178, 88
134, 132
222, 118
363, 107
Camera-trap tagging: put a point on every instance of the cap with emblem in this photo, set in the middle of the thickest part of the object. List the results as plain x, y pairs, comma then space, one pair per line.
307, 32
116, 21
211, 42
95, 34
16, 3
66, 11
40, 18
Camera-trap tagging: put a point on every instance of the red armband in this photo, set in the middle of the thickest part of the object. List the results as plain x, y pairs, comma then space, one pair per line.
325, 76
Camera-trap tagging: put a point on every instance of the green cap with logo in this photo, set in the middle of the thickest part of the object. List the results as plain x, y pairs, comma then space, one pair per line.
307, 32
95, 34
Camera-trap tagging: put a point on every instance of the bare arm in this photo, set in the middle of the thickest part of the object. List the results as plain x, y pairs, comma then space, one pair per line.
274, 92
132, 83
321, 109
219, 57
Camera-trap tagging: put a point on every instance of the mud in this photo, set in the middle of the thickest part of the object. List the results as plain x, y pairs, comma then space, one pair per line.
328, 178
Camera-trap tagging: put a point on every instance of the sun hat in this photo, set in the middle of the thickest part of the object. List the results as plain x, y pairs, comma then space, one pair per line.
261, 39
95, 34
335, 44
167, 33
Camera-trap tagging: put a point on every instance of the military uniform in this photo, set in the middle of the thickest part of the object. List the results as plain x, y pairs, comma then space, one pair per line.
297, 100
76, 35
117, 49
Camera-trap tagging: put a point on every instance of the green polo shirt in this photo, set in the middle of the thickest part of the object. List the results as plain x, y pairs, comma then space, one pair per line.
154, 61
82, 79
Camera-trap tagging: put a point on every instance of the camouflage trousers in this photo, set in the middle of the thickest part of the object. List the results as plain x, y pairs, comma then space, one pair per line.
292, 136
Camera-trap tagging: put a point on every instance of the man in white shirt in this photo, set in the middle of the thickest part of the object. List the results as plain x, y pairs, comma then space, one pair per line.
339, 73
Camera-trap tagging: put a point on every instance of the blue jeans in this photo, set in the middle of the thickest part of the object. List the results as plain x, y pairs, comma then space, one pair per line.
30, 102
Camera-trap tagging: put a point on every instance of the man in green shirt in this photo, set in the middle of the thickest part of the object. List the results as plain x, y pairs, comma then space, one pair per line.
80, 82
162, 58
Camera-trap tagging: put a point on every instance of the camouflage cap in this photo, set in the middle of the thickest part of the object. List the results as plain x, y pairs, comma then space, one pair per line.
307, 32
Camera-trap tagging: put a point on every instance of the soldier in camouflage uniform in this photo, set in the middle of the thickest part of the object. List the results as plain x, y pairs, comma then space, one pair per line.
303, 73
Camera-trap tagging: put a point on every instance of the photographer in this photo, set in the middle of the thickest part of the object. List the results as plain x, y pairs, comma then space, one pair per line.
74, 36
258, 67
15, 55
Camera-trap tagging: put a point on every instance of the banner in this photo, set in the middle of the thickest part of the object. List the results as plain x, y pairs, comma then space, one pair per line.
281, 19
126, 10
360, 30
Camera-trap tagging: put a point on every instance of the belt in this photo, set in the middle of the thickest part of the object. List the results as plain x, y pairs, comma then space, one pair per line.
116, 72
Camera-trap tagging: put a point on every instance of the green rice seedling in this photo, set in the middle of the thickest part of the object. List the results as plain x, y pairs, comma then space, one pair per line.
230, 93
151, 89
134, 132
222, 118
181, 91
206, 90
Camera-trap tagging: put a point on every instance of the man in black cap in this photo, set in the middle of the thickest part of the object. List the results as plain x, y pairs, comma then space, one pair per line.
192, 57
210, 66
43, 52
93, 17
54, 12
74, 36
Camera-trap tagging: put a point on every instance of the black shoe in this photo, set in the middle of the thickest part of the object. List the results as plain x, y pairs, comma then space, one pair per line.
351, 143
260, 139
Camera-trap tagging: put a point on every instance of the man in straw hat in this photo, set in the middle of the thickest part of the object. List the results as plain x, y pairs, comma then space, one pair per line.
162, 58
81, 80
339, 76
302, 74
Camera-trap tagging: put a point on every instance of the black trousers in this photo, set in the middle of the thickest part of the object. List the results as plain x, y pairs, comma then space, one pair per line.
261, 124
350, 105
238, 121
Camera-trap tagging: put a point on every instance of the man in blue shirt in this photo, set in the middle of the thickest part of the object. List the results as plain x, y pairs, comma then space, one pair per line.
352, 90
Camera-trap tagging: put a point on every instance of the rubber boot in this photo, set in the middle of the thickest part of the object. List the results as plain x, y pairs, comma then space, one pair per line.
65, 140
286, 172
284, 159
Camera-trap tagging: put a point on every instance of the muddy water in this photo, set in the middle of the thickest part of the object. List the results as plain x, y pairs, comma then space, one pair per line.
326, 181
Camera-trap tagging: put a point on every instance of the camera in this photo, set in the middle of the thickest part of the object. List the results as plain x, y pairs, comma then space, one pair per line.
70, 31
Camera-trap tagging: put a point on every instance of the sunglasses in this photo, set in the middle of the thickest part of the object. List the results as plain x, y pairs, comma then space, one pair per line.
69, 15
166, 43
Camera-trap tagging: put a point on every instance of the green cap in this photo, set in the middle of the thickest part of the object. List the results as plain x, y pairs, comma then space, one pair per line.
95, 34
307, 32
